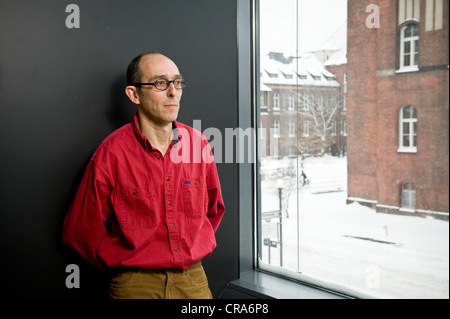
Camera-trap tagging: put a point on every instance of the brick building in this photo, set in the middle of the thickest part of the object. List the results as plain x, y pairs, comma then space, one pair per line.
398, 106
293, 91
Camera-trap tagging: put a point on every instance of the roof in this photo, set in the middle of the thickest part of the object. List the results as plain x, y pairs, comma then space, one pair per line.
305, 70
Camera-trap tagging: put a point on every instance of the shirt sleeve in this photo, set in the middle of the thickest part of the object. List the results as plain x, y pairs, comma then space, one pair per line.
84, 228
216, 207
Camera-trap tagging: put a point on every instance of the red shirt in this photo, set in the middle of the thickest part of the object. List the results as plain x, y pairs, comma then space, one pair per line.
136, 207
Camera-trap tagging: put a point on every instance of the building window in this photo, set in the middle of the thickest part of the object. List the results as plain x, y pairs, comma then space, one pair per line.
291, 104
408, 130
344, 128
276, 128
408, 195
409, 47
276, 101
291, 128
305, 128
291, 150
333, 128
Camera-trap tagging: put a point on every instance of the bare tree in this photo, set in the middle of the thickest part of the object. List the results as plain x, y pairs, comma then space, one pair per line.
319, 108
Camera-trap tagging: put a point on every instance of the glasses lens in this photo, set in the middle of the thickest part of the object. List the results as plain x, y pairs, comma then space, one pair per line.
179, 83
162, 84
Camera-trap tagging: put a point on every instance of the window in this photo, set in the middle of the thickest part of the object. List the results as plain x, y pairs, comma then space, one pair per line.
276, 128
352, 226
305, 128
291, 99
409, 47
291, 128
408, 130
333, 128
408, 195
276, 101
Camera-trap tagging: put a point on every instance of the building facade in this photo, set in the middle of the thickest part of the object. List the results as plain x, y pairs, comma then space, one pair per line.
301, 107
398, 106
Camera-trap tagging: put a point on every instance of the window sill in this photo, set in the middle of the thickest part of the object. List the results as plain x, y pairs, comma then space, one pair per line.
407, 69
407, 150
259, 285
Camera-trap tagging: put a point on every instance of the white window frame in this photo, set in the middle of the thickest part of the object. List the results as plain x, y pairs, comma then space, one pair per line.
408, 195
305, 128
412, 124
412, 40
276, 128
276, 101
291, 128
291, 102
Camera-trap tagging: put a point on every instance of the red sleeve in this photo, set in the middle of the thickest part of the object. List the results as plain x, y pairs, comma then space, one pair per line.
216, 207
84, 228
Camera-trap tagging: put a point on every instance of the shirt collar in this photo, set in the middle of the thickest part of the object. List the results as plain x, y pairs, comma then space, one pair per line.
143, 140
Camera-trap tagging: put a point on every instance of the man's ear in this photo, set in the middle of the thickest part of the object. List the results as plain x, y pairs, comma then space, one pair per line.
131, 92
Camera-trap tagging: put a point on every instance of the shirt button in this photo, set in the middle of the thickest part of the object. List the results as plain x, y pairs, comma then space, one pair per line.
173, 226
158, 157
168, 179
170, 203
176, 250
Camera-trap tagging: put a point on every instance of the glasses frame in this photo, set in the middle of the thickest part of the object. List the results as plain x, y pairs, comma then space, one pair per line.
183, 84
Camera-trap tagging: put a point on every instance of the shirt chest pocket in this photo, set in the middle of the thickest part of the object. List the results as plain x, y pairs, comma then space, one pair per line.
194, 198
137, 208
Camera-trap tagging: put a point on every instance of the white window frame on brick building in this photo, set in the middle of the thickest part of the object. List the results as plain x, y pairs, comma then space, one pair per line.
276, 101
407, 129
409, 48
276, 128
408, 195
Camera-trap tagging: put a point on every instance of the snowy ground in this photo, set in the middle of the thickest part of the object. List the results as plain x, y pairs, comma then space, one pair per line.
350, 247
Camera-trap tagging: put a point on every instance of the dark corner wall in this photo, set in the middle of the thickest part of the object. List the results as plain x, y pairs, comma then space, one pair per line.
62, 92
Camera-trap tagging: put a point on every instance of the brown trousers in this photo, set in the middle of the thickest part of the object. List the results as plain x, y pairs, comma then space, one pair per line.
190, 283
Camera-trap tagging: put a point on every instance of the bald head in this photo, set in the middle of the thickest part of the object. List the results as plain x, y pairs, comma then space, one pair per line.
134, 71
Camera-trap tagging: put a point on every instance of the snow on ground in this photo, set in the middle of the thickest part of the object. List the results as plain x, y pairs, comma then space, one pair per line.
350, 247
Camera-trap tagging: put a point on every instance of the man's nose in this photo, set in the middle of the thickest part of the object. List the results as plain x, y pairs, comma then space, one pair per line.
171, 89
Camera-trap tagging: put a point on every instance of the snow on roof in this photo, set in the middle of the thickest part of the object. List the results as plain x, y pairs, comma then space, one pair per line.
305, 70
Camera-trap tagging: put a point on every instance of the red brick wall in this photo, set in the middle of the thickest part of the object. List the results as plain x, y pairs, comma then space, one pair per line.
375, 95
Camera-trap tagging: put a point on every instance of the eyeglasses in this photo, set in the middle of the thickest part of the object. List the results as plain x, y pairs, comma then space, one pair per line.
162, 84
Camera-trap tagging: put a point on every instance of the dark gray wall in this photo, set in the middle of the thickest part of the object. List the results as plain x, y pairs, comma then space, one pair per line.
61, 94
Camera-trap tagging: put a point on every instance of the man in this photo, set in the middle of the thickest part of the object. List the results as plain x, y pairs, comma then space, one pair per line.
141, 212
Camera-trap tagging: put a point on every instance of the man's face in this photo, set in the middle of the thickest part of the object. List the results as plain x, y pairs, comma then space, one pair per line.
159, 107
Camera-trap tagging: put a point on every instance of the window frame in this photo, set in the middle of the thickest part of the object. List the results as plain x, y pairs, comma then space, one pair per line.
276, 101
408, 196
413, 132
253, 281
412, 39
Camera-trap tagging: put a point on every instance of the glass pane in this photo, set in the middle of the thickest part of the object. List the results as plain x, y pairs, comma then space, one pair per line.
414, 30
406, 141
406, 128
332, 217
407, 47
413, 112
407, 112
408, 31
406, 60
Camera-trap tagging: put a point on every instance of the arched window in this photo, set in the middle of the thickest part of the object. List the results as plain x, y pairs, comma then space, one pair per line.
408, 130
276, 128
409, 47
291, 128
276, 101
409, 195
